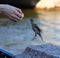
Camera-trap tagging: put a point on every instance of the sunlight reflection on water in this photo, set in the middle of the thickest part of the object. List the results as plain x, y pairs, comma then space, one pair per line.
50, 25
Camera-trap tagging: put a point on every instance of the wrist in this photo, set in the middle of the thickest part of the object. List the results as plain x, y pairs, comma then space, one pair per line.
2, 7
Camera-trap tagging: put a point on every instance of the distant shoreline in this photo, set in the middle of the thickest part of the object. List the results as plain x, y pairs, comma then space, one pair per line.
50, 9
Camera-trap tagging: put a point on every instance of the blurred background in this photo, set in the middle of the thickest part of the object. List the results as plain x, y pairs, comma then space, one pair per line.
16, 36
21, 3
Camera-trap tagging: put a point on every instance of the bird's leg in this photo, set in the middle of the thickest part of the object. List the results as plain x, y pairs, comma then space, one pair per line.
34, 36
41, 37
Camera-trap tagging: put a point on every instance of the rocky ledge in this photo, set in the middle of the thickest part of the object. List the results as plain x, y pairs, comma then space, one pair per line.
41, 51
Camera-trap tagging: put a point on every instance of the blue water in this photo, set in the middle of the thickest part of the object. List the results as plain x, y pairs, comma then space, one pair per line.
15, 37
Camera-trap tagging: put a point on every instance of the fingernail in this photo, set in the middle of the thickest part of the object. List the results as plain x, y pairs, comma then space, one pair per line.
22, 15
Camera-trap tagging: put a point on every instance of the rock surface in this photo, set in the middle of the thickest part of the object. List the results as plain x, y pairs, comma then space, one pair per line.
41, 51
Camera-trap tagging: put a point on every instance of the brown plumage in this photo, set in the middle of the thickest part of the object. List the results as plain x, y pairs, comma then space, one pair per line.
36, 29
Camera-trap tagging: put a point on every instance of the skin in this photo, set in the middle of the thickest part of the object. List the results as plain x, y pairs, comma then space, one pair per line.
13, 13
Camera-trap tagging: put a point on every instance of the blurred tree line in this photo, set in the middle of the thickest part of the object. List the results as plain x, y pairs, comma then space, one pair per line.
20, 3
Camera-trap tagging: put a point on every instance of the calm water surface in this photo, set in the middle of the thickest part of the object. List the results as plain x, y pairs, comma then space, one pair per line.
15, 37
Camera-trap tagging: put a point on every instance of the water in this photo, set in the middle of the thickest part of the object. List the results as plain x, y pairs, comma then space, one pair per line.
15, 37
50, 25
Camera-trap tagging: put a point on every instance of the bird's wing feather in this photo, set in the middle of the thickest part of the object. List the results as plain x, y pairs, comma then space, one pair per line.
37, 27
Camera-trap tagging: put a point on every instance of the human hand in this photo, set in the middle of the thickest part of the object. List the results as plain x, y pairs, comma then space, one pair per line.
13, 13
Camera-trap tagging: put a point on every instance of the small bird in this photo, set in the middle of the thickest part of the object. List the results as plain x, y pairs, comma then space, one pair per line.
36, 29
